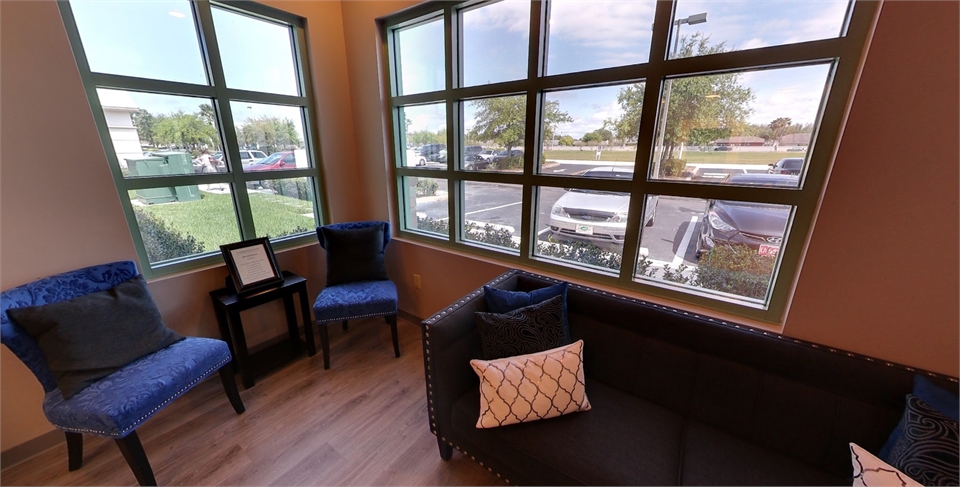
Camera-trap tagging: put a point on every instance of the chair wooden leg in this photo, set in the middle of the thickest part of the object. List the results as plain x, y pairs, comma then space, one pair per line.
344, 325
230, 387
392, 320
446, 451
74, 450
324, 344
133, 452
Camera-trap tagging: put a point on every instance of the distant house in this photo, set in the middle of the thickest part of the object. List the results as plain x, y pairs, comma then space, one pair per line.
740, 141
118, 108
795, 139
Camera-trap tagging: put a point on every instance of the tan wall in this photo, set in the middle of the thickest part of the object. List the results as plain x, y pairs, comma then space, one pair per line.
60, 208
881, 272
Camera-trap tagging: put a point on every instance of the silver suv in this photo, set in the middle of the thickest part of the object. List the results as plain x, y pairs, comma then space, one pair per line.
595, 216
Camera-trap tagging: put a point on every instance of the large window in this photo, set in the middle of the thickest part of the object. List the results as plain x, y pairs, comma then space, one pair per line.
675, 148
205, 113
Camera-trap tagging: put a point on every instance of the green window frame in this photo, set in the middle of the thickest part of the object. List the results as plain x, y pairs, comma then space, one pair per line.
221, 96
843, 54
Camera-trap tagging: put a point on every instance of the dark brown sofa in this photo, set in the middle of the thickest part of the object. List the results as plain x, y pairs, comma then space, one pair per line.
678, 399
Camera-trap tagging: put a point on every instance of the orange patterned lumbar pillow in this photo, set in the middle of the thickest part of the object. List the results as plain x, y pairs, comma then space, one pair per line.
531, 387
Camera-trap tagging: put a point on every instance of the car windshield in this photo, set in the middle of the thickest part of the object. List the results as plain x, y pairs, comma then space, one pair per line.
764, 180
270, 160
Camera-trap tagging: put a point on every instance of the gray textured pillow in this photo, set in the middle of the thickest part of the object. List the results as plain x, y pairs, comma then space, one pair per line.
531, 329
354, 254
90, 337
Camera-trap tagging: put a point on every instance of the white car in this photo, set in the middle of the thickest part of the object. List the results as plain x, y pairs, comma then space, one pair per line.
413, 158
598, 217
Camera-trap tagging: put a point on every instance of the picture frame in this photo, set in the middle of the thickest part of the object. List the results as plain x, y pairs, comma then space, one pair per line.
252, 265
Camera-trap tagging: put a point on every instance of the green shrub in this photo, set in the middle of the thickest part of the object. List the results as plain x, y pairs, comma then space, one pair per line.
490, 234
583, 253
285, 233
736, 270
161, 242
672, 167
427, 187
508, 163
431, 225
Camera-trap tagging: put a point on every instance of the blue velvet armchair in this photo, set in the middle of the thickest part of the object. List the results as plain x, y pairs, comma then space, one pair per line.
116, 405
352, 300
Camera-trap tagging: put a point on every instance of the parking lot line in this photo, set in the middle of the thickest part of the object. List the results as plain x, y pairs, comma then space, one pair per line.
493, 208
685, 242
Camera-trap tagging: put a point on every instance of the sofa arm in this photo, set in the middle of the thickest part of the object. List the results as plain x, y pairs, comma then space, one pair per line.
450, 341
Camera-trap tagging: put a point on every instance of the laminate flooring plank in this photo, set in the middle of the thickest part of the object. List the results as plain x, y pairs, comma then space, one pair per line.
362, 422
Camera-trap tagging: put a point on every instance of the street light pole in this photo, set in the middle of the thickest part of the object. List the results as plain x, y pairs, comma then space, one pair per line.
693, 19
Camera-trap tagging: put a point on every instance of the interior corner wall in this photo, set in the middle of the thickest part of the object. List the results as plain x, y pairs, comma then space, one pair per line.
59, 207
881, 271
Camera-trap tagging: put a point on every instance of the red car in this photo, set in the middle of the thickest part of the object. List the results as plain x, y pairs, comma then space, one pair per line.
277, 160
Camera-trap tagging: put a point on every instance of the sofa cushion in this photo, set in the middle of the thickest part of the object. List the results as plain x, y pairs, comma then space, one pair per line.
530, 329
624, 440
712, 457
927, 448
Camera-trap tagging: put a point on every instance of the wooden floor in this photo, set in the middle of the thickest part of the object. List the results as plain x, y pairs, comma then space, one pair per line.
363, 422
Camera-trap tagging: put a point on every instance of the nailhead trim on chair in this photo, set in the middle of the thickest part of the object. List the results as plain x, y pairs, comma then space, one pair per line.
323, 322
133, 426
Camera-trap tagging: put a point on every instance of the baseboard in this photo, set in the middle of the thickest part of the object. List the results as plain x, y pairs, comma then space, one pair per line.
30, 448
409, 317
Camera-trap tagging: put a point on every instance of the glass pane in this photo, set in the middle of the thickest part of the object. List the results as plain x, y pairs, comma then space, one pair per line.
144, 39
491, 214
283, 207
727, 248
591, 127
425, 136
598, 34
750, 122
420, 58
184, 221
426, 205
162, 135
496, 42
270, 136
495, 126
257, 55
582, 227
706, 27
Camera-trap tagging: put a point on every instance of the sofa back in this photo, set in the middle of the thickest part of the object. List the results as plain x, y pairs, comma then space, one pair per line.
805, 400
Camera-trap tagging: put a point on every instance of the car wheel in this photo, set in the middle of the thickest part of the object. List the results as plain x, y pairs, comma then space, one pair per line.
651, 220
471, 167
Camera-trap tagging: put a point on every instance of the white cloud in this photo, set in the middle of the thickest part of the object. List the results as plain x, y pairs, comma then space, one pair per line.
512, 15
607, 25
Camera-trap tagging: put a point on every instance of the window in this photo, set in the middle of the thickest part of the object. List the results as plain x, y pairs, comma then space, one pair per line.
205, 114
671, 148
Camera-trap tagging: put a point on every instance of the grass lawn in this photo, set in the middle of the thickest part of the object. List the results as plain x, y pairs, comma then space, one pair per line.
733, 157
213, 222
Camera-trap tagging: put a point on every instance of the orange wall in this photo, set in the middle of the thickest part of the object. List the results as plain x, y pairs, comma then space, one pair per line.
60, 208
881, 271
863, 287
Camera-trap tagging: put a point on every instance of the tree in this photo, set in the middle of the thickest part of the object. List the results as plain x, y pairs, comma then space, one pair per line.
421, 137
207, 115
566, 140
503, 120
597, 136
145, 122
269, 132
713, 102
185, 130
778, 127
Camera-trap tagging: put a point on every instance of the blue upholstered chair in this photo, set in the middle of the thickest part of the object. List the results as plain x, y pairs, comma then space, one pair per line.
116, 405
360, 299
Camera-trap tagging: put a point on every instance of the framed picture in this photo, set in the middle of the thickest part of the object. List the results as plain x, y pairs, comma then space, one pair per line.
252, 265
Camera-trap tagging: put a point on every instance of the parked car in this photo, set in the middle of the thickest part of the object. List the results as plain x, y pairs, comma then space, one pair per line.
503, 154
789, 165
759, 226
723, 148
470, 152
476, 164
249, 156
598, 217
798, 148
487, 155
431, 152
415, 159
277, 160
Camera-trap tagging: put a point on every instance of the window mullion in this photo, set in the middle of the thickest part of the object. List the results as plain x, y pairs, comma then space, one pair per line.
535, 60
645, 140
211, 50
311, 128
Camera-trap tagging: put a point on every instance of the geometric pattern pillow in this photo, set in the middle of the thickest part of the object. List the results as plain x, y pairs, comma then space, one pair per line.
870, 471
928, 449
531, 387
530, 329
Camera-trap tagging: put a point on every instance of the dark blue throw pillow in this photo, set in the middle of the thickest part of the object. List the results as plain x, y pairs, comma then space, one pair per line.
531, 329
927, 449
941, 400
500, 301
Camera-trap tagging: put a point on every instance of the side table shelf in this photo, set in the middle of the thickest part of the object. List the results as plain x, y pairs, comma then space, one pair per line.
228, 305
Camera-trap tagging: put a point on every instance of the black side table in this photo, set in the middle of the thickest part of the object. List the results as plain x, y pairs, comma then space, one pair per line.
228, 305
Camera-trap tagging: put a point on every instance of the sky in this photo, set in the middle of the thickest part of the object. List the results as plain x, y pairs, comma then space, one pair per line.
586, 35
121, 37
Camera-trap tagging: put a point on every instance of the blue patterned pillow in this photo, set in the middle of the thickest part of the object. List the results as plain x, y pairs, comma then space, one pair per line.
531, 329
927, 450
941, 400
